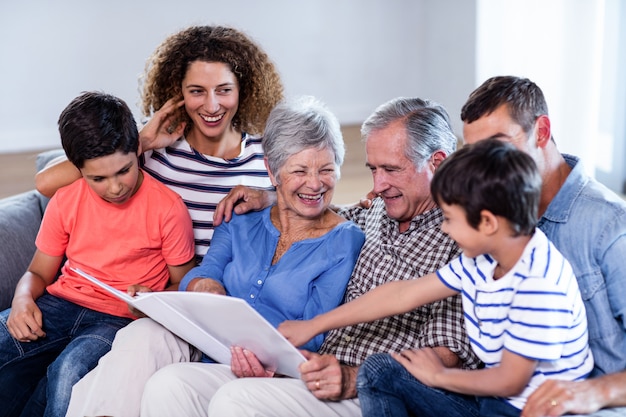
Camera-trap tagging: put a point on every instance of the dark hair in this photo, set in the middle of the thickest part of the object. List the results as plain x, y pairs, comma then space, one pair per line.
491, 175
260, 87
427, 125
523, 98
96, 124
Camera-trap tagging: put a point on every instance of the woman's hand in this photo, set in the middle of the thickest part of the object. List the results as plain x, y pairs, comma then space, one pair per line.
244, 363
298, 332
206, 285
160, 132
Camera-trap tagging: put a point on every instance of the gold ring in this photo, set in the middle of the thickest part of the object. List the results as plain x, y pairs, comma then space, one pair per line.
317, 384
554, 403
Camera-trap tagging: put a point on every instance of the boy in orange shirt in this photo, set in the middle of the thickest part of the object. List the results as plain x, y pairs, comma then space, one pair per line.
116, 223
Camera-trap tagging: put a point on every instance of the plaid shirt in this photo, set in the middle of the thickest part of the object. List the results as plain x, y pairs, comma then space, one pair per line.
389, 255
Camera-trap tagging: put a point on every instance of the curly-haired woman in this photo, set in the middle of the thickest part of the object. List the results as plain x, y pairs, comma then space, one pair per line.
207, 91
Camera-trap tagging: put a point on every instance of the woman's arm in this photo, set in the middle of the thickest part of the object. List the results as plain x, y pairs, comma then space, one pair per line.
58, 173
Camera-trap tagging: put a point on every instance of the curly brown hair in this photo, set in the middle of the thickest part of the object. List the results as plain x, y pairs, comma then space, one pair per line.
260, 87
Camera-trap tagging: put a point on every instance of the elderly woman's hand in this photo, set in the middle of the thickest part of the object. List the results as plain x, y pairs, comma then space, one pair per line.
206, 285
244, 363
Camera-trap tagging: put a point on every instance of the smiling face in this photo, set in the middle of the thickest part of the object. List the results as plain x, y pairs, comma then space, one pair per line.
456, 226
115, 178
305, 183
404, 188
211, 94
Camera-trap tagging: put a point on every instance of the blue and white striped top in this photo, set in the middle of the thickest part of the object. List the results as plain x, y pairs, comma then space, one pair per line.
203, 180
535, 310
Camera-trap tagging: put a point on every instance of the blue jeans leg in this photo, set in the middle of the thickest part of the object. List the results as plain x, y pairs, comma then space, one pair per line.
85, 335
387, 389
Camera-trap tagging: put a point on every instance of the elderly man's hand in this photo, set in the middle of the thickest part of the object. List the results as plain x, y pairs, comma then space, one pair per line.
326, 378
242, 199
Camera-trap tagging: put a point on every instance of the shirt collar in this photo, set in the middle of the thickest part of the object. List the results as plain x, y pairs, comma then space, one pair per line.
561, 205
425, 220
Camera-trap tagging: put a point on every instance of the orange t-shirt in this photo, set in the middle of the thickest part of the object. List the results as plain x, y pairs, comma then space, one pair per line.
130, 243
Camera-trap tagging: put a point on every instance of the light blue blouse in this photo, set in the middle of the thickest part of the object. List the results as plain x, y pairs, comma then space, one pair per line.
309, 279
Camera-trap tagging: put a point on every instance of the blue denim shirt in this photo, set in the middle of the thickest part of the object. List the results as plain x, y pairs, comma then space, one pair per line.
587, 223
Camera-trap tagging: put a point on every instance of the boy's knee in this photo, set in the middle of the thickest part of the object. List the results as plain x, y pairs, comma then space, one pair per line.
375, 368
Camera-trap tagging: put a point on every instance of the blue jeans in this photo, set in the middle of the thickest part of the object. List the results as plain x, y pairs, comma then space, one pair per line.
386, 388
36, 378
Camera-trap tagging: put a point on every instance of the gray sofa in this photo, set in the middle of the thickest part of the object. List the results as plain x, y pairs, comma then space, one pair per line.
20, 217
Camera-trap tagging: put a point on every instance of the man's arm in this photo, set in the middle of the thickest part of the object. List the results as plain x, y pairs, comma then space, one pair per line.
242, 199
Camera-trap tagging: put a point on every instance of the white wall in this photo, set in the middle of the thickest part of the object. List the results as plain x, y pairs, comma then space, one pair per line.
352, 54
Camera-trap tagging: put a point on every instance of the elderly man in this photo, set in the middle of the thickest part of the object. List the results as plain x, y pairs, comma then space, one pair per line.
585, 221
406, 139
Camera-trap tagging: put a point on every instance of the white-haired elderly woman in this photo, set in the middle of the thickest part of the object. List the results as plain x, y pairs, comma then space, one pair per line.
295, 257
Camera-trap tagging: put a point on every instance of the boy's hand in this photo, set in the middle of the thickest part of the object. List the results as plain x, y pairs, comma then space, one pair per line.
25, 320
244, 363
242, 199
424, 364
132, 290
298, 332
160, 132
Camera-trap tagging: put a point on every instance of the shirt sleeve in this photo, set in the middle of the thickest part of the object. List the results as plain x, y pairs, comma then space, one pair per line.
178, 240
219, 255
52, 238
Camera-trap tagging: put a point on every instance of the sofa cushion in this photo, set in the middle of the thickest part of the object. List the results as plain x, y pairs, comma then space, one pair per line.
20, 217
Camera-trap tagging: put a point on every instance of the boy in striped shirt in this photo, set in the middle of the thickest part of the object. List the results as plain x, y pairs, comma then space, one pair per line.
522, 306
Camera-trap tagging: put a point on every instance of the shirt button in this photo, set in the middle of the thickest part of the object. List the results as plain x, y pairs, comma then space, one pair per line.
387, 257
259, 282
251, 295
347, 338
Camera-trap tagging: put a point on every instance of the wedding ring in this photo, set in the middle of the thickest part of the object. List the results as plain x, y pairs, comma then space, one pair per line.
317, 384
554, 403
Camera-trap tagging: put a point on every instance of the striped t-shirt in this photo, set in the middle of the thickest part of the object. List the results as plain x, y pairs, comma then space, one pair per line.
535, 310
203, 180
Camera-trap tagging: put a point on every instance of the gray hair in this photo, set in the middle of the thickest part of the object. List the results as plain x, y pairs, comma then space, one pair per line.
427, 124
299, 124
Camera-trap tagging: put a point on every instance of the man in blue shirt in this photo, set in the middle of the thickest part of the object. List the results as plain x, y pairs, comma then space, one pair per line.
586, 222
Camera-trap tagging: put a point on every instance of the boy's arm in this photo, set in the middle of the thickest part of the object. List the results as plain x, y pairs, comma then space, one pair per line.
25, 321
507, 379
389, 299
177, 273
